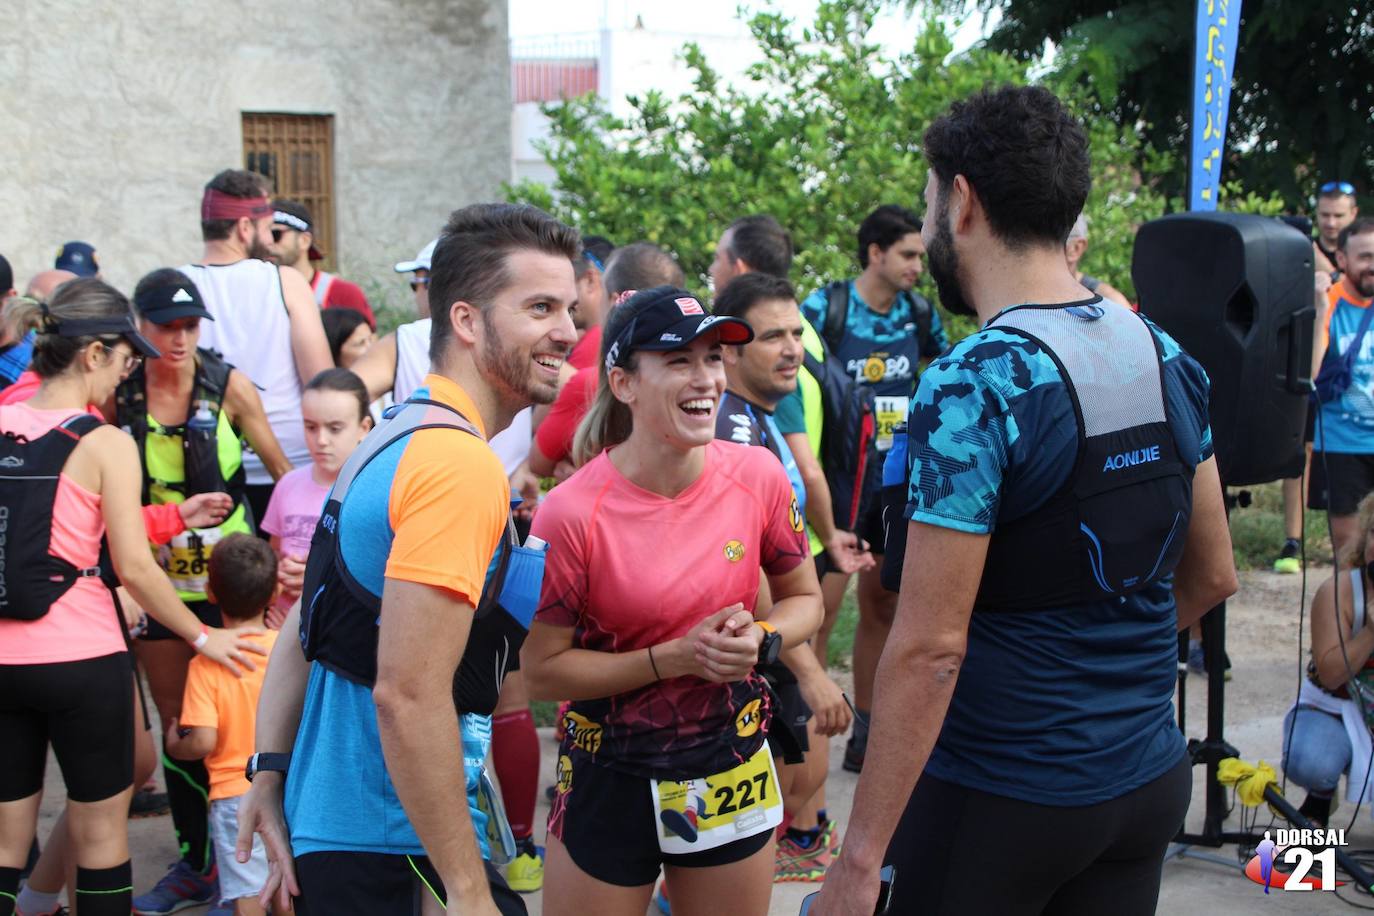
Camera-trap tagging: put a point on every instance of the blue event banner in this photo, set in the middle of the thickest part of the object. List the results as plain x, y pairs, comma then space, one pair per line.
1218, 24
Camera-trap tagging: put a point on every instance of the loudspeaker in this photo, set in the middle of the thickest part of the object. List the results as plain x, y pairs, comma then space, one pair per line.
1235, 290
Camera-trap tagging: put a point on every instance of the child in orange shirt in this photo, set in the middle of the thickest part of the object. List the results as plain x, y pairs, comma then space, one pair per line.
219, 710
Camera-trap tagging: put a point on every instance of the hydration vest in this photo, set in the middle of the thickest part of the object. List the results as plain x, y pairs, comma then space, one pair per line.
340, 617
1119, 522
199, 436
31, 578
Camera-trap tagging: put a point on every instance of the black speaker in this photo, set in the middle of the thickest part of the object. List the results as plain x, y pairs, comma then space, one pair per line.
1235, 290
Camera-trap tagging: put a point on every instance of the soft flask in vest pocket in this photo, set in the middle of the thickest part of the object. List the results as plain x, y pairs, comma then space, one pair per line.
201, 452
896, 474
524, 580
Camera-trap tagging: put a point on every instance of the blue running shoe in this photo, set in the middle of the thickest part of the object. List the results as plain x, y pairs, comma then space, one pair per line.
180, 888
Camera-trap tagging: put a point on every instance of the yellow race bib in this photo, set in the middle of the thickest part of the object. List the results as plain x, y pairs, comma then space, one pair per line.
700, 814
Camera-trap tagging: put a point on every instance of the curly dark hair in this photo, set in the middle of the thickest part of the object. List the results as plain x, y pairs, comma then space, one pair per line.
1024, 154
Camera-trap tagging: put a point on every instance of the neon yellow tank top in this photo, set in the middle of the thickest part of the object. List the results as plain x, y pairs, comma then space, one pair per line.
185, 558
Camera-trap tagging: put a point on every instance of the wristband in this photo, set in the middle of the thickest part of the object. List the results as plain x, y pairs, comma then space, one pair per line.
199, 642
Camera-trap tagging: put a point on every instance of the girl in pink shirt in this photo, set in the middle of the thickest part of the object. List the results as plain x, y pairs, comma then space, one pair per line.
646, 623
334, 409
64, 669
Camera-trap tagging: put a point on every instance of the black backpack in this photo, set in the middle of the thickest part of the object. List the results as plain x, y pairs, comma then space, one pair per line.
31, 578
848, 430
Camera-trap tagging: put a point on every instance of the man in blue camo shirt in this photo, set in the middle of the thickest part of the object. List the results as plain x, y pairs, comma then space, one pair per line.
1065, 519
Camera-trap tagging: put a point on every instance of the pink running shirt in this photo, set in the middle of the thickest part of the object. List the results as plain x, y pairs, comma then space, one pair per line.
83, 623
629, 568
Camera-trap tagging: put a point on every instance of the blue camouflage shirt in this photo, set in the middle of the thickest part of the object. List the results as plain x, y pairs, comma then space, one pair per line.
1068, 706
881, 351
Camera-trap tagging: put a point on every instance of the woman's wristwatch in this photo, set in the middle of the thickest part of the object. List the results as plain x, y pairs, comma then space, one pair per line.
771, 647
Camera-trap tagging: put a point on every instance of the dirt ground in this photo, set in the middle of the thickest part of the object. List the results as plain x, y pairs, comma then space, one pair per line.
1262, 640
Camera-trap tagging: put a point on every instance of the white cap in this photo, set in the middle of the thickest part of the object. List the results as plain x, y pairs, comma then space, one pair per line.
421, 261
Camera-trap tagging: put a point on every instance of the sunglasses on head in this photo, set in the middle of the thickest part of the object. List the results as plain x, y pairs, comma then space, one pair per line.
1338, 187
594, 261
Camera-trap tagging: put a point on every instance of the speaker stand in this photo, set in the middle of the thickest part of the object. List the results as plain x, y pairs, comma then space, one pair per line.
1209, 751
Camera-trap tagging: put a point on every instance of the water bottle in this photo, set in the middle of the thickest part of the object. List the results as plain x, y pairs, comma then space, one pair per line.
202, 462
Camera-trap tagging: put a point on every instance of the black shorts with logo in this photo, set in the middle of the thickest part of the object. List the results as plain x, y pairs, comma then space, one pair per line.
380, 884
609, 829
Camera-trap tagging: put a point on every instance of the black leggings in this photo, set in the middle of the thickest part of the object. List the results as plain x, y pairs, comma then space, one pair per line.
960, 851
85, 710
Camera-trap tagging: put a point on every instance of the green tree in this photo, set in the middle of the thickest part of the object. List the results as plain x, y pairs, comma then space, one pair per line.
1302, 97
826, 129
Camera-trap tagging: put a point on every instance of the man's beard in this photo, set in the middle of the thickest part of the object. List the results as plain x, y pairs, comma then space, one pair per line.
512, 370
944, 266
1364, 284
258, 249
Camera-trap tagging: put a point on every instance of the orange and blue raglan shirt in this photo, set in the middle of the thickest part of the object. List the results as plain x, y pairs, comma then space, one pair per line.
431, 509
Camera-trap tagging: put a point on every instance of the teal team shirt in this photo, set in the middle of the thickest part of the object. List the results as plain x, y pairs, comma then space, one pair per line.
881, 351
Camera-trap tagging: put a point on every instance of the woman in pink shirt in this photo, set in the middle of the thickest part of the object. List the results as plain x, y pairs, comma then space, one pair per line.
646, 624
334, 409
64, 664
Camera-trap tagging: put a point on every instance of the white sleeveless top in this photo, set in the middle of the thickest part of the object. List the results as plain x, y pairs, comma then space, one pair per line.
253, 331
412, 358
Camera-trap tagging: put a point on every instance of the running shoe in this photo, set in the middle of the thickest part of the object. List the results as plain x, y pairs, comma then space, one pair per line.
149, 803
60, 911
180, 888
525, 873
853, 757
1288, 562
661, 900
794, 862
830, 836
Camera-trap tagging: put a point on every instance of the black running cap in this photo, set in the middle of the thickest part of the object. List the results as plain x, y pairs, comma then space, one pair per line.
123, 325
670, 319
165, 304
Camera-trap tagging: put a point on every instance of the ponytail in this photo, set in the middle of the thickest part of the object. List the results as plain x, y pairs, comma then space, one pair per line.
607, 423
20, 316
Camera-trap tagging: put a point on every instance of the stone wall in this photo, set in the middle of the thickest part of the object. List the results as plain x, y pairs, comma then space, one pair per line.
113, 115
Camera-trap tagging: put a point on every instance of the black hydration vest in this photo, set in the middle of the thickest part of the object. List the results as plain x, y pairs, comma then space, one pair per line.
200, 445
340, 617
31, 578
1119, 523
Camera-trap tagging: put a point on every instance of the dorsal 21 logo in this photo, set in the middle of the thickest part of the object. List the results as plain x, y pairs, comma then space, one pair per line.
1291, 848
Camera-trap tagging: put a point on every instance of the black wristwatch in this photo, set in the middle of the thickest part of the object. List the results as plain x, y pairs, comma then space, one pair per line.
276, 763
771, 647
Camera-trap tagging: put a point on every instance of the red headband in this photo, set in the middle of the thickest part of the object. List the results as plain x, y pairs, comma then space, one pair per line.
216, 205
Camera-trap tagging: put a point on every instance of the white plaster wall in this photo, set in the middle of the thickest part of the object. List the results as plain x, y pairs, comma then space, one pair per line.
113, 115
